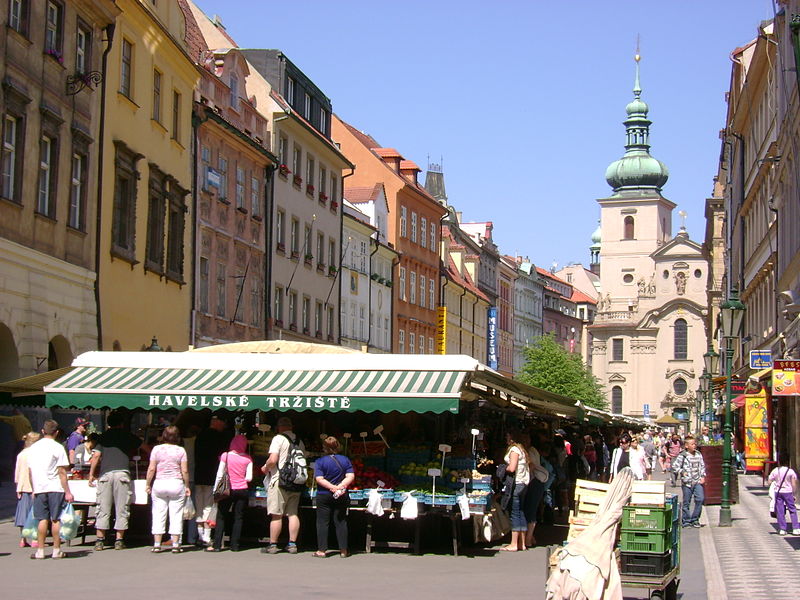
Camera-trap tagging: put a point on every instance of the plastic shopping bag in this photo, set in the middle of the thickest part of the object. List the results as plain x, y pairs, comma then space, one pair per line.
773, 490
31, 529
374, 504
189, 511
69, 522
463, 504
410, 508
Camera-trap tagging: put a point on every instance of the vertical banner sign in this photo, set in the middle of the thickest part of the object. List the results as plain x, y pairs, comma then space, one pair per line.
491, 337
784, 378
441, 330
756, 438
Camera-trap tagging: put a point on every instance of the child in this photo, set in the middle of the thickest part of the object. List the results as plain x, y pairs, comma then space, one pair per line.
786, 481
24, 490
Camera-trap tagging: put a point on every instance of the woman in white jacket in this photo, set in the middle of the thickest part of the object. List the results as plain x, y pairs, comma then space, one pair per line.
623, 457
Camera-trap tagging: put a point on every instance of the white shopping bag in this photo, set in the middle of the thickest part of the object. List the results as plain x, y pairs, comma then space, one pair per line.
374, 504
410, 509
463, 504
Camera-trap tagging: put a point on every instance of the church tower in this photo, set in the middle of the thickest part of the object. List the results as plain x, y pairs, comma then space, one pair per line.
648, 336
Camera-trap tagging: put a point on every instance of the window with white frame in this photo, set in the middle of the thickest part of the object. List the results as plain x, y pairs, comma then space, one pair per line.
234, 86
343, 316
290, 87
283, 150
53, 32
307, 106
277, 306
318, 319
363, 257
320, 250
240, 187
255, 196
403, 228
77, 192
306, 315
423, 239
294, 238
297, 160
433, 237
431, 294
430, 345
323, 181
323, 121
45, 204
239, 288
412, 288
11, 157
293, 309
422, 290
280, 230
402, 283
413, 226
331, 324
18, 15
401, 341
334, 193
421, 344
362, 331
353, 321
412, 342
332, 257
307, 242
222, 164
255, 302
83, 48
310, 163
386, 332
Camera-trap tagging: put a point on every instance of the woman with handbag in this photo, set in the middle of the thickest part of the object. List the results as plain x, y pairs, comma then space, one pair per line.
334, 474
237, 465
784, 479
168, 484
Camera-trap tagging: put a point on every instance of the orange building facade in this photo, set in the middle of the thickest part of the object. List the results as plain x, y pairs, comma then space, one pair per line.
414, 230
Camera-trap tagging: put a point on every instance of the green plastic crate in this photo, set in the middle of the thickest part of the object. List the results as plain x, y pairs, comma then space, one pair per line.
650, 518
654, 542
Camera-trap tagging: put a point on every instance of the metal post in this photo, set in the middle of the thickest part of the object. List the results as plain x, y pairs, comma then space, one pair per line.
725, 519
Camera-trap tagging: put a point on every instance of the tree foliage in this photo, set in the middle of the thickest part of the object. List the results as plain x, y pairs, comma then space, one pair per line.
550, 367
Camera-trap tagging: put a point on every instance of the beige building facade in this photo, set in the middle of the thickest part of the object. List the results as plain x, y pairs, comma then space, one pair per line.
50, 69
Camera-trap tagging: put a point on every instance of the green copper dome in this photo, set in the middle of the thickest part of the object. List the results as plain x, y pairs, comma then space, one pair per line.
637, 169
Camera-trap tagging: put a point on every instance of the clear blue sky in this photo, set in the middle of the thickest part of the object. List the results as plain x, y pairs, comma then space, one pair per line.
523, 99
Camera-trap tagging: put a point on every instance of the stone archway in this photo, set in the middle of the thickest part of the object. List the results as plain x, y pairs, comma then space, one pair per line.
9, 357
59, 353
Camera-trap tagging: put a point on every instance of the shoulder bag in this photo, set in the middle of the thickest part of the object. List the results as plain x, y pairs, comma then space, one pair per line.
773, 493
222, 489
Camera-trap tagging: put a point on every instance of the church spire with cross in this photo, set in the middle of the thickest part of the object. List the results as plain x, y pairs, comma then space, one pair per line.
637, 171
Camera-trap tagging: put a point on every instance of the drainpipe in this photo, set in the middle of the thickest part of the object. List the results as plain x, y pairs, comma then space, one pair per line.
395, 264
269, 205
197, 120
100, 163
369, 286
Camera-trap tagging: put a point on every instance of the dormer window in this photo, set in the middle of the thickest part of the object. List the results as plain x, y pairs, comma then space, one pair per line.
290, 91
307, 107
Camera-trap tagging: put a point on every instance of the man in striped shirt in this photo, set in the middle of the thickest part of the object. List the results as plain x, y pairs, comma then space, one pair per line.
691, 468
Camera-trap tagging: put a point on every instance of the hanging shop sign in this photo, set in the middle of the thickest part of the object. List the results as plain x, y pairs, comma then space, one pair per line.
784, 378
491, 335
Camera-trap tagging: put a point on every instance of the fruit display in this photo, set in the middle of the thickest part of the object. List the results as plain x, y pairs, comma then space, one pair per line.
419, 469
368, 477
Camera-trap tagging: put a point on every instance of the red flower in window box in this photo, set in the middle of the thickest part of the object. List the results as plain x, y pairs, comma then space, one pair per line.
310, 189
306, 331
284, 170
298, 181
323, 197
334, 205
281, 247
278, 323
293, 326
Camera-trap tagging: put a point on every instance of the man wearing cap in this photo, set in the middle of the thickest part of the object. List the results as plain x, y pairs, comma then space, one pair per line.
76, 438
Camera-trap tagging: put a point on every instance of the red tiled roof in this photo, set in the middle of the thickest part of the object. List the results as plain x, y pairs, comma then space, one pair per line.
359, 194
551, 276
466, 283
195, 42
387, 152
362, 137
578, 296
409, 164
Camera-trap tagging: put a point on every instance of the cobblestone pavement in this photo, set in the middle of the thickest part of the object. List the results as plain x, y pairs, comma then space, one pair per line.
752, 561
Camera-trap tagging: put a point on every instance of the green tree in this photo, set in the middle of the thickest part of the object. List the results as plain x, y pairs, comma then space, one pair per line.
550, 367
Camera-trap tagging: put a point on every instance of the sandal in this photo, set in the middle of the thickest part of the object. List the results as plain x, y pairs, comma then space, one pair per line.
177, 550
155, 549
320, 554
211, 549
507, 549
57, 555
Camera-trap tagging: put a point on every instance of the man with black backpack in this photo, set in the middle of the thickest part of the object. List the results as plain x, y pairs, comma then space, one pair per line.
286, 471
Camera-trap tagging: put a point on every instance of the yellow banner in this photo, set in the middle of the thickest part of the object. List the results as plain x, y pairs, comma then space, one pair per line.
756, 442
441, 330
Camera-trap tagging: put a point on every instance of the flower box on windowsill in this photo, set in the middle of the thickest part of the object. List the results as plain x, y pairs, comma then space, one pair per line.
330, 337
284, 171
224, 200
318, 335
292, 327
388, 283
323, 198
278, 323
281, 248
374, 277
382, 280
332, 270
297, 180
241, 209
308, 258
306, 331
310, 189
256, 218
334, 205
55, 55
295, 254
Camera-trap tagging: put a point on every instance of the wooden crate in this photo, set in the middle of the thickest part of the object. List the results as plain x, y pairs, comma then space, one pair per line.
649, 492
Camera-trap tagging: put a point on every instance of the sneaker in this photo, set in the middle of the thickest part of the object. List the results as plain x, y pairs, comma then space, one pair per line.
795, 531
782, 532
99, 546
271, 549
119, 545
696, 525
291, 548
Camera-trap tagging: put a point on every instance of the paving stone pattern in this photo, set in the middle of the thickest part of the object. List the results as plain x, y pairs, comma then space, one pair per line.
756, 562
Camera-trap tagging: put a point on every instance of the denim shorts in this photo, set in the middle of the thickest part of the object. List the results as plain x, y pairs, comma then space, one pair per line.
47, 506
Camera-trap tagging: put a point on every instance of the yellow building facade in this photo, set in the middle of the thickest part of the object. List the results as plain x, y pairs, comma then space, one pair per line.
145, 240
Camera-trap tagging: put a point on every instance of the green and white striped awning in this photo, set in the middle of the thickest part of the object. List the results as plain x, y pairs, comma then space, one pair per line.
317, 383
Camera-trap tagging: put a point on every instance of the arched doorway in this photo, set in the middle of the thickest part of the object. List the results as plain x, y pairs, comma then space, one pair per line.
9, 358
59, 353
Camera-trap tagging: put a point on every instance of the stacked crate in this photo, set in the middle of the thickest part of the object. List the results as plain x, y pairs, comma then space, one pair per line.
650, 537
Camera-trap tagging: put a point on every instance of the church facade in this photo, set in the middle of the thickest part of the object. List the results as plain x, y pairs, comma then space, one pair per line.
649, 336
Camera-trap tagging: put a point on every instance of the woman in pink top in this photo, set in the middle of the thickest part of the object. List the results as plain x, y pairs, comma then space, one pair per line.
168, 484
240, 471
785, 480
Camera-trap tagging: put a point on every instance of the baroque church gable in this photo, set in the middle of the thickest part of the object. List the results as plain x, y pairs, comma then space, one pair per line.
680, 247
680, 306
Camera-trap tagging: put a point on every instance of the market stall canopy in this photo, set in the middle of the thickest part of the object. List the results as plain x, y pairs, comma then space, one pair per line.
27, 391
301, 382
668, 420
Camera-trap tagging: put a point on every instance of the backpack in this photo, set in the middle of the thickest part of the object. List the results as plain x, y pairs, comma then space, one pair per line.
293, 474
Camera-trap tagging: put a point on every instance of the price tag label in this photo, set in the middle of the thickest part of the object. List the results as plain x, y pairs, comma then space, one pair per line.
444, 448
434, 472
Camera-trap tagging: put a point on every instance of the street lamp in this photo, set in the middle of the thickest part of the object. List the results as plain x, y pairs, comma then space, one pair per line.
711, 364
153, 347
732, 314
701, 398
